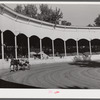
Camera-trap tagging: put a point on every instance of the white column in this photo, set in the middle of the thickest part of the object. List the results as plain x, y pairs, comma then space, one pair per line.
2, 46
77, 48
90, 47
15, 47
53, 47
28, 47
65, 47
41, 47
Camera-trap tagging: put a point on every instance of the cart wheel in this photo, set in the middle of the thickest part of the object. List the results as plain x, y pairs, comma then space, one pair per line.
11, 68
28, 67
14, 68
23, 68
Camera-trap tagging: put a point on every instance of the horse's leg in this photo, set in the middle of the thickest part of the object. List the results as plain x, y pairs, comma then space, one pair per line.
10, 68
16, 68
28, 65
23, 67
13, 68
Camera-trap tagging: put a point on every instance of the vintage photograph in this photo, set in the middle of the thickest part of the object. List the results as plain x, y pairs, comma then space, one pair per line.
49, 46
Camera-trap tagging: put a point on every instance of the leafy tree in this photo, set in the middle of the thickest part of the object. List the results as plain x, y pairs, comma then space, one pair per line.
56, 15
64, 22
68, 24
49, 15
46, 13
19, 9
30, 10
97, 21
89, 25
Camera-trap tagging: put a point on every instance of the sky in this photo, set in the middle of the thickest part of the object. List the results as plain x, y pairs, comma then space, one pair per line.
77, 14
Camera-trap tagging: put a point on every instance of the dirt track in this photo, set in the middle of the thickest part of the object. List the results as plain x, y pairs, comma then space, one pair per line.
59, 75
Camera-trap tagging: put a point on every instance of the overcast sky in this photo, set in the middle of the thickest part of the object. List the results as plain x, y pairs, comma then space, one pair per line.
77, 14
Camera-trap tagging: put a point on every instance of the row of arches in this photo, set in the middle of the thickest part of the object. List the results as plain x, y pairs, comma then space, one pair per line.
60, 46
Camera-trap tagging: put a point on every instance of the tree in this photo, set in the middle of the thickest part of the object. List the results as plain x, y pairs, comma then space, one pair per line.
97, 21
64, 22
46, 13
89, 25
28, 10
56, 15
18, 9
49, 15
68, 24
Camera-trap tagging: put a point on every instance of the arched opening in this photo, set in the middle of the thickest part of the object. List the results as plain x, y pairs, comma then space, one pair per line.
71, 47
34, 45
83, 46
22, 44
9, 44
59, 47
0, 46
95, 46
47, 46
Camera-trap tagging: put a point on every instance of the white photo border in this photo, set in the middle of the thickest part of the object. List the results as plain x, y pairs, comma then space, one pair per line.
45, 93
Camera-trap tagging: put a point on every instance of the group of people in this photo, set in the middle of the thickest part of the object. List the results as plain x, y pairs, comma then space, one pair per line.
16, 64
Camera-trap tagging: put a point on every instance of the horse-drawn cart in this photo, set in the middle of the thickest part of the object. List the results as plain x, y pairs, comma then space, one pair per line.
19, 64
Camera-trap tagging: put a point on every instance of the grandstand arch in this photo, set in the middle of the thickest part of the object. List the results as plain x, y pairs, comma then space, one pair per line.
22, 45
71, 46
9, 44
59, 47
83, 45
95, 44
34, 45
47, 46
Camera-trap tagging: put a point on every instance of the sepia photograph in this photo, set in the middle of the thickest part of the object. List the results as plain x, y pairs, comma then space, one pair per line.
49, 46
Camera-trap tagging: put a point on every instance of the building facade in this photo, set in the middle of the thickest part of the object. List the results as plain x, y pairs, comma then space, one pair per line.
22, 35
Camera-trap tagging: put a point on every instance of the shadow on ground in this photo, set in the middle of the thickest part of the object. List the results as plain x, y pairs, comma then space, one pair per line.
6, 84
73, 87
90, 64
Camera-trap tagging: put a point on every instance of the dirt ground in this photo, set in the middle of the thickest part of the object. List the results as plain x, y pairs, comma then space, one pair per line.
80, 75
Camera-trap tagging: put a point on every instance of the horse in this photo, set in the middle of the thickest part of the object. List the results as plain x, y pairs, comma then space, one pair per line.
24, 64
17, 64
14, 65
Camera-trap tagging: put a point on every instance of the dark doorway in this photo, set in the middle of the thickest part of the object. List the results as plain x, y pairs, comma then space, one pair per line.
83, 46
47, 46
22, 44
71, 47
9, 44
59, 47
